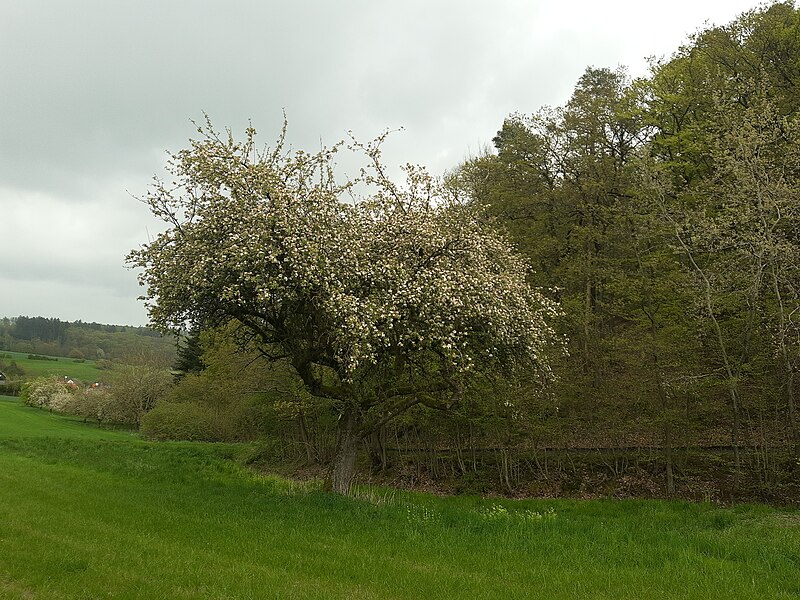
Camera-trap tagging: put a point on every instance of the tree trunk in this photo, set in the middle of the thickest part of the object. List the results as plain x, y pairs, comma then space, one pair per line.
731, 379
311, 453
342, 470
668, 460
667, 429
788, 367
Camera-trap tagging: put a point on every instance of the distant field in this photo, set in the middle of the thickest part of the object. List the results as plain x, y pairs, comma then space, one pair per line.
88, 513
84, 371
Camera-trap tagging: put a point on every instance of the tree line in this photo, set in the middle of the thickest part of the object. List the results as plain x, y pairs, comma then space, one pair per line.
665, 214
80, 340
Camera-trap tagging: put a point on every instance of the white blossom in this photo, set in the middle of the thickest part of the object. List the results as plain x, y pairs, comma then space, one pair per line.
268, 238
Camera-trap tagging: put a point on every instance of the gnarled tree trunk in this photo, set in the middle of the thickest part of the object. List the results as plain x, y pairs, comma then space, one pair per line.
342, 471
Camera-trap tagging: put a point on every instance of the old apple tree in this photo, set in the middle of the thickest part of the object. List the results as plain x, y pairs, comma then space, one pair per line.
380, 295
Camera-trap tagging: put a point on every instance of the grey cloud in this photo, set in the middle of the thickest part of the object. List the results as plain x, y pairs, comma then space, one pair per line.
92, 92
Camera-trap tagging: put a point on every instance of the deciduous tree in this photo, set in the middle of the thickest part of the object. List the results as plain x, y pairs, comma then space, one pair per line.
402, 296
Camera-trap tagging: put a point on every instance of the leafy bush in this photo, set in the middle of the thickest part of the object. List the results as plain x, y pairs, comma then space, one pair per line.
184, 421
241, 414
92, 405
134, 391
11, 388
11, 369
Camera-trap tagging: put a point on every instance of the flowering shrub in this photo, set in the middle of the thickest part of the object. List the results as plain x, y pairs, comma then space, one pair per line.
45, 392
63, 400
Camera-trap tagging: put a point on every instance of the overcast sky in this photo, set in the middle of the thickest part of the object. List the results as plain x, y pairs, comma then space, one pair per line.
94, 92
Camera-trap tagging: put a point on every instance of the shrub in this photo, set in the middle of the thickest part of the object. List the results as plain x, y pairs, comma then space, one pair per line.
135, 391
11, 369
63, 400
91, 404
240, 415
184, 421
11, 388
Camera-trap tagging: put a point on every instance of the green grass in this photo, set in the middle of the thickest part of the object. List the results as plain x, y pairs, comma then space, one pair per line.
87, 513
19, 422
85, 371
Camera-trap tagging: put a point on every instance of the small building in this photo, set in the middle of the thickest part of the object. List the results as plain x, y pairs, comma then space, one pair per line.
3, 379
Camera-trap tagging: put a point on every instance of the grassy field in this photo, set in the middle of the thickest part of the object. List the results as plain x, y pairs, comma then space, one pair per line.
89, 513
85, 371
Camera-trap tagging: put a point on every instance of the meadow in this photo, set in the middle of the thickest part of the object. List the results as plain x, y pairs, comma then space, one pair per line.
92, 513
83, 370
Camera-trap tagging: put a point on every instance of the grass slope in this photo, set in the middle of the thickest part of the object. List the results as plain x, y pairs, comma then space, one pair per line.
87, 513
18, 422
85, 371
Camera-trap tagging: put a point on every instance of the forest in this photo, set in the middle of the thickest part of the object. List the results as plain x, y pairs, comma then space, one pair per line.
661, 215
79, 340
664, 213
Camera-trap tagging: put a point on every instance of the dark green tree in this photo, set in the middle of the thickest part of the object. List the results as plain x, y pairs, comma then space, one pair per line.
189, 354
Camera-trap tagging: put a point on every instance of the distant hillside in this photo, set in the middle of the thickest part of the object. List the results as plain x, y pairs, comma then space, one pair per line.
53, 337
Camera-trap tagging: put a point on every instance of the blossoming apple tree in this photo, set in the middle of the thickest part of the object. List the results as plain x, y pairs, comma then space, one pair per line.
381, 296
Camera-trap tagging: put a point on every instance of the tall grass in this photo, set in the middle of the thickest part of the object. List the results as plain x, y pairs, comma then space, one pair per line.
105, 515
